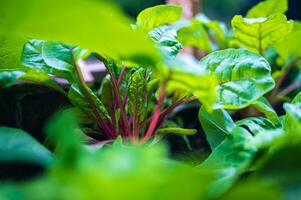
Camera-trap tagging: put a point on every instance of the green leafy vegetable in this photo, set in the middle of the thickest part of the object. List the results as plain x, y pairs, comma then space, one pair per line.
243, 77
257, 34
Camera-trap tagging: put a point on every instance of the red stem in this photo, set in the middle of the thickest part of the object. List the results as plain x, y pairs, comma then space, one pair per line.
156, 114
127, 131
100, 122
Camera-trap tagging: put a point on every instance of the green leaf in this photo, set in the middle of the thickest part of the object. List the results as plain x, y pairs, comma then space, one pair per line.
166, 38
58, 57
78, 98
159, 15
233, 156
189, 76
266, 108
97, 26
216, 125
136, 89
217, 30
243, 77
17, 145
290, 47
52, 58
257, 34
195, 35
267, 8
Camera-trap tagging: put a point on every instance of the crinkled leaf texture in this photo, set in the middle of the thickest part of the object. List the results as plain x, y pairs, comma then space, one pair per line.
243, 77
257, 34
159, 15
18, 146
267, 8
166, 38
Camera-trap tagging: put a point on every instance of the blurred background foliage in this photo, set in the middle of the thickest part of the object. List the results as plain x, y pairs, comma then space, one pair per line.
222, 10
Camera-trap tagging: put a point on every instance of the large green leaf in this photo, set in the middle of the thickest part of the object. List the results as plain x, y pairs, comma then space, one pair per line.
166, 38
216, 125
257, 34
243, 77
18, 146
158, 15
233, 156
267, 8
290, 47
136, 89
195, 35
96, 25
52, 57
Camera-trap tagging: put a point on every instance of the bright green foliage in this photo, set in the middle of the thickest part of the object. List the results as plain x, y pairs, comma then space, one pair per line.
267, 8
290, 47
18, 146
216, 125
257, 34
158, 15
72, 21
135, 172
195, 35
243, 77
166, 38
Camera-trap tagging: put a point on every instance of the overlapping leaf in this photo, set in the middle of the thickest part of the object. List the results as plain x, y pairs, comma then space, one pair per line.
217, 125
158, 15
257, 34
243, 77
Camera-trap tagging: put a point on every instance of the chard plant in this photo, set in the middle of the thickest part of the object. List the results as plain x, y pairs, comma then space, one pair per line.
244, 74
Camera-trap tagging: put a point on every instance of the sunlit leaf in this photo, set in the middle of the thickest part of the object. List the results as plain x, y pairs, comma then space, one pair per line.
243, 77
257, 34
158, 15
195, 35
